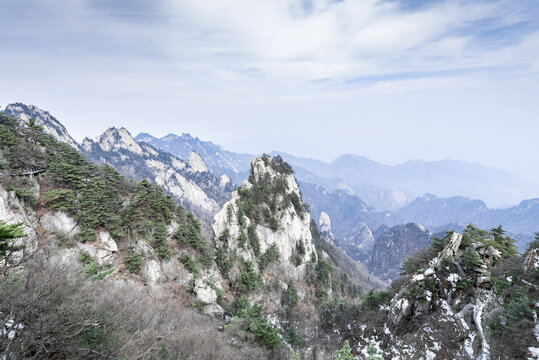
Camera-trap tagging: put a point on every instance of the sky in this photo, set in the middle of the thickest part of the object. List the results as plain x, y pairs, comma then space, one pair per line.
391, 80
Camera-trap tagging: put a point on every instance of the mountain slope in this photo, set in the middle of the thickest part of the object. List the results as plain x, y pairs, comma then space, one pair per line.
50, 124
198, 190
216, 158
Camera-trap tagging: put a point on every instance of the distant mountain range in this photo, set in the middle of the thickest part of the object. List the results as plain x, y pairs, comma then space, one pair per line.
384, 187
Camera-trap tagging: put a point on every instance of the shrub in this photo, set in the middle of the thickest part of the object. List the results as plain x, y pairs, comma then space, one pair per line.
133, 260
254, 241
242, 239
372, 300
271, 255
471, 260
248, 279
190, 265
290, 296
345, 353
292, 336
7, 234
92, 268
419, 259
224, 258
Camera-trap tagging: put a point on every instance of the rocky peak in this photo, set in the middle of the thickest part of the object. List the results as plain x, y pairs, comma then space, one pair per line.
324, 223
267, 207
196, 163
50, 124
116, 139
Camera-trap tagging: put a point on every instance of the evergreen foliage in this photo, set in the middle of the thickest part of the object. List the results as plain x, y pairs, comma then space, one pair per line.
271, 255
372, 299
190, 233
290, 296
254, 241
133, 260
470, 259
248, 279
345, 353
7, 234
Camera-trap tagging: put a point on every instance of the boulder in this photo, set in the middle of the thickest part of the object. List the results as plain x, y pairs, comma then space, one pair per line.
531, 262
213, 310
59, 222
204, 293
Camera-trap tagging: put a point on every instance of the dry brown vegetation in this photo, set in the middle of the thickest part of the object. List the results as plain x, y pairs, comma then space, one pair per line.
58, 314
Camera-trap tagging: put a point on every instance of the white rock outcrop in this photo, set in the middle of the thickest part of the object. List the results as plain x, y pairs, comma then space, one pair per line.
165, 169
104, 250
324, 223
12, 212
293, 228
196, 163
59, 222
42, 118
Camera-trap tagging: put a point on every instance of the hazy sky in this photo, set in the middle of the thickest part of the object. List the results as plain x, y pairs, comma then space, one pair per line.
390, 80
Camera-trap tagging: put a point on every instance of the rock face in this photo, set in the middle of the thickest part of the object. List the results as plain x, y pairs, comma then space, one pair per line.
291, 231
196, 164
392, 247
104, 250
324, 223
218, 160
42, 118
59, 222
189, 182
441, 310
532, 260
13, 212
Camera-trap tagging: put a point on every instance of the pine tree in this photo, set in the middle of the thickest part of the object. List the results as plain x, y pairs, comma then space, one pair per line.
505, 243
345, 353
8, 233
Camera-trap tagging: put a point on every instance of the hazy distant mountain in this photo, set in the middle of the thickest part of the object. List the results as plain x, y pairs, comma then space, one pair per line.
444, 178
430, 210
393, 245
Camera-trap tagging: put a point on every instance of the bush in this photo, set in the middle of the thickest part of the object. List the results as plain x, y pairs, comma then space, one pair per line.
248, 279
92, 268
293, 337
372, 300
419, 259
290, 296
345, 353
61, 315
7, 234
225, 259
271, 255
254, 241
133, 260
189, 263
471, 260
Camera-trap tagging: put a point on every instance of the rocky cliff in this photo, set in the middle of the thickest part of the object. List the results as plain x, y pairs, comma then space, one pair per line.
393, 245
188, 181
267, 207
50, 124
466, 297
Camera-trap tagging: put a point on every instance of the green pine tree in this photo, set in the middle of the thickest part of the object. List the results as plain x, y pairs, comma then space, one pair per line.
7, 234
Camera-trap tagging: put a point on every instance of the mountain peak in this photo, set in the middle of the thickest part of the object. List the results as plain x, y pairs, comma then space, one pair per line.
49, 123
196, 163
117, 139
